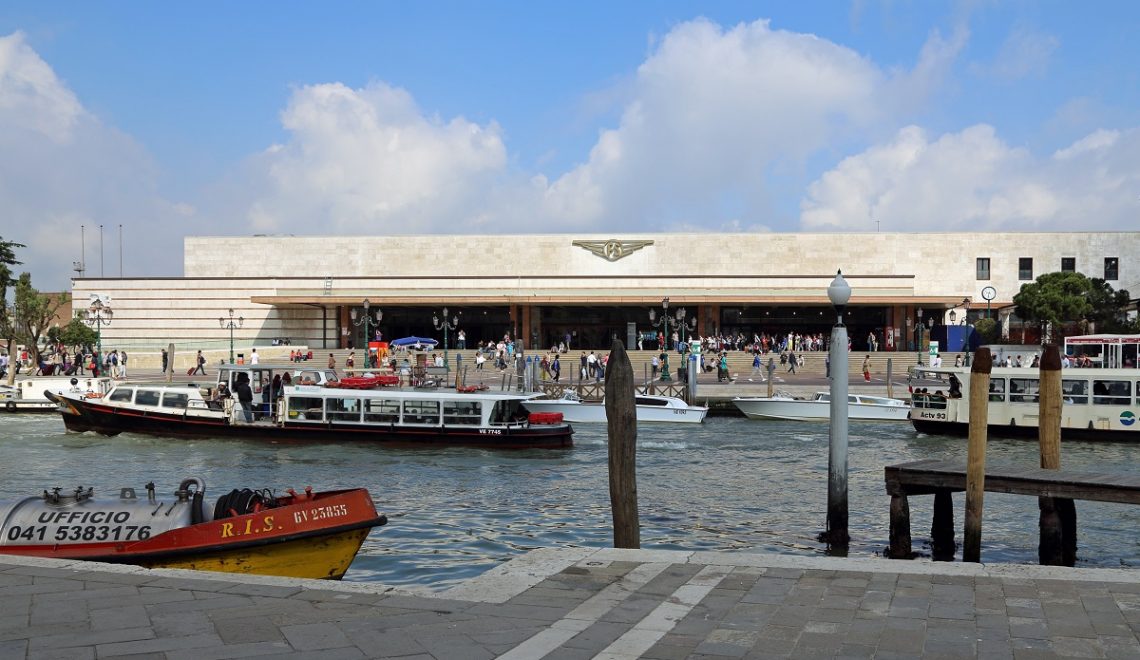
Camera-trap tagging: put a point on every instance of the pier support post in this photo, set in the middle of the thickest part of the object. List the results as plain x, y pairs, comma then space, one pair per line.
976, 455
890, 385
900, 547
170, 363
621, 421
836, 536
942, 527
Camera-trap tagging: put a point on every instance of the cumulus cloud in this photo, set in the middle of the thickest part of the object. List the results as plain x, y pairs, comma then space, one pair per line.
709, 116
61, 168
973, 181
368, 159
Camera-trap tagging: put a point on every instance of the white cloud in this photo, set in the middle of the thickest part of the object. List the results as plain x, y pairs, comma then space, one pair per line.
973, 181
61, 168
707, 117
368, 160
1024, 52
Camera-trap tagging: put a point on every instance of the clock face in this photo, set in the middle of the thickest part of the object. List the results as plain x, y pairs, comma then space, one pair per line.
989, 293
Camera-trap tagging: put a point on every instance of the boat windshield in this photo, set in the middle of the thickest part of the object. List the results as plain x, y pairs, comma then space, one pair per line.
507, 412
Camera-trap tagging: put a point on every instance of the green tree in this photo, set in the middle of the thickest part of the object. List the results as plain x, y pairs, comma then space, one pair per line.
7, 319
34, 312
75, 334
988, 330
1053, 299
1108, 307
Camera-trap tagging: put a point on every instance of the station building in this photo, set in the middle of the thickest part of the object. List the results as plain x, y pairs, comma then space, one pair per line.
542, 288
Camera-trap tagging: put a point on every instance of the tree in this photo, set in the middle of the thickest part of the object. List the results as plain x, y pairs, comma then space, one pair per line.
34, 312
7, 319
1053, 299
1108, 307
988, 330
75, 334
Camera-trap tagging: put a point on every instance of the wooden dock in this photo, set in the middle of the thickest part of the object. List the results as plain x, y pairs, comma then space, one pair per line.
942, 478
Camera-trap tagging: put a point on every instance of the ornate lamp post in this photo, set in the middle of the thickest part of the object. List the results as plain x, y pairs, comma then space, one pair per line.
664, 324
231, 323
918, 331
839, 293
99, 314
445, 325
686, 328
365, 320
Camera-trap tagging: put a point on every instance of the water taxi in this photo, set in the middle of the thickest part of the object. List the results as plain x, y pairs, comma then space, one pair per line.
408, 417
650, 408
784, 406
304, 535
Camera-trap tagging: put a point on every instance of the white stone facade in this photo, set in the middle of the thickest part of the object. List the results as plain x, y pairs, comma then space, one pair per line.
301, 287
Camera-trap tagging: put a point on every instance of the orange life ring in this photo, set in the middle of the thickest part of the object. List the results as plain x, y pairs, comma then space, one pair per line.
93, 395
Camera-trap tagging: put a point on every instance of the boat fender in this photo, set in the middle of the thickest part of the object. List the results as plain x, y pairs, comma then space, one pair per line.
93, 395
11, 406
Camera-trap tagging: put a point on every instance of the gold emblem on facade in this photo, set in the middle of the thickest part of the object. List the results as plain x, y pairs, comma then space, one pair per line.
613, 249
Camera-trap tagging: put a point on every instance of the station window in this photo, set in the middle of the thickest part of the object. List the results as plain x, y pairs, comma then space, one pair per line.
1111, 268
983, 268
1025, 268
1068, 264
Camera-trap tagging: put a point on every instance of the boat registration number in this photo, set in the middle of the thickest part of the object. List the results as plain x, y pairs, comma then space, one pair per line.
932, 415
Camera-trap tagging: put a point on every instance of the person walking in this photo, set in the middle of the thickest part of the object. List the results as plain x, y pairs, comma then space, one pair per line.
867, 368
757, 367
165, 360
556, 368
201, 362
791, 362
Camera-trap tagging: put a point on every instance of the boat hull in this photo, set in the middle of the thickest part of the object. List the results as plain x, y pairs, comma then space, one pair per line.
816, 411
91, 415
312, 537
962, 429
577, 412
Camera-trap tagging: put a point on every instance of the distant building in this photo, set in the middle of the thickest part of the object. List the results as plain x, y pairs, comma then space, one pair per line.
543, 287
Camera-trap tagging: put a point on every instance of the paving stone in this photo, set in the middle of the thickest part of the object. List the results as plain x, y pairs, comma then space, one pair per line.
599, 635
228, 651
73, 653
156, 645
247, 630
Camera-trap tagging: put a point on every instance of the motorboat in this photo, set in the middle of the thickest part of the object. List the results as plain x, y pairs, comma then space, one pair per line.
27, 395
650, 408
298, 534
386, 416
860, 407
1096, 403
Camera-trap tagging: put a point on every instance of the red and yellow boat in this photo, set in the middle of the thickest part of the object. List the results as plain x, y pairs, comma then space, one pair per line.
305, 535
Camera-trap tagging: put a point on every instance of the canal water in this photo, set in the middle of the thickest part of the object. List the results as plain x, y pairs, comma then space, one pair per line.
727, 484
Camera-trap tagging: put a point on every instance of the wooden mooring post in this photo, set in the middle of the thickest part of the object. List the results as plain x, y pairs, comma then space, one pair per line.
1058, 533
621, 420
975, 459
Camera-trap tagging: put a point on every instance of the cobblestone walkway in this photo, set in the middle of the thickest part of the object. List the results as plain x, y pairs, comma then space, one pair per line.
581, 603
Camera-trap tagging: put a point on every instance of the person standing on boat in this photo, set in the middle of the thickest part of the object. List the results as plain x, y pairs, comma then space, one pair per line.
245, 397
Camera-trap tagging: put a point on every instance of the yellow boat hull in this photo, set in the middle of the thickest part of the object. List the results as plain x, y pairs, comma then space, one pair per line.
318, 557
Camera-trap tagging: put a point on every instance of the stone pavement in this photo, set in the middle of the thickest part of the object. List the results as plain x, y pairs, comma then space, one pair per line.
581, 603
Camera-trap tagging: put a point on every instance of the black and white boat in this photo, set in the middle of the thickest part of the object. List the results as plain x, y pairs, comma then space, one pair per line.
309, 412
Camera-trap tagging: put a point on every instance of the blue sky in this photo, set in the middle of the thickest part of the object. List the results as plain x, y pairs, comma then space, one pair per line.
373, 118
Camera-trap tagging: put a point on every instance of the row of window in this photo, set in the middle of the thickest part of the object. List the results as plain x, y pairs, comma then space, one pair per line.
1104, 392
380, 411
1068, 265
157, 398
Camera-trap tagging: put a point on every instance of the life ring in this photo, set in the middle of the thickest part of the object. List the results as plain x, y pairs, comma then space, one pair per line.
93, 395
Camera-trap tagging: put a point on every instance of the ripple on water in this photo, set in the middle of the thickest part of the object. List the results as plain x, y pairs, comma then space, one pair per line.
727, 484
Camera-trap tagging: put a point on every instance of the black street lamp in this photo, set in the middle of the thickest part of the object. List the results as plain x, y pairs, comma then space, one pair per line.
231, 323
918, 332
664, 324
445, 325
366, 319
99, 314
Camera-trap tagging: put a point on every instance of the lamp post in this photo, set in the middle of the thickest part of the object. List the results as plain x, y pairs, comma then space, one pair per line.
664, 323
445, 325
366, 320
686, 327
231, 323
99, 314
836, 535
918, 332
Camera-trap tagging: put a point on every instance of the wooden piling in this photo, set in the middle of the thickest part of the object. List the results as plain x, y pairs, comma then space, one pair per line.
976, 454
942, 527
771, 372
170, 363
1056, 547
621, 420
890, 385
